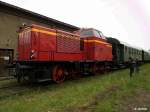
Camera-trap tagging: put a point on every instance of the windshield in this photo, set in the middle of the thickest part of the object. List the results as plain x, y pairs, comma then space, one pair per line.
101, 35
92, 33
87, 33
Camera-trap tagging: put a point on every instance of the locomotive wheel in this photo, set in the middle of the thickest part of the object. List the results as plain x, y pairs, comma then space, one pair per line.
58, 74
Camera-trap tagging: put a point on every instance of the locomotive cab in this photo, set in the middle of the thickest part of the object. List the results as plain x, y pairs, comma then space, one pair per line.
95, 45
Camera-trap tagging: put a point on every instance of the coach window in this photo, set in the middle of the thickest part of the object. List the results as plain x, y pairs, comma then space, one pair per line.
129, 51
132, 51
135, 51
125, 49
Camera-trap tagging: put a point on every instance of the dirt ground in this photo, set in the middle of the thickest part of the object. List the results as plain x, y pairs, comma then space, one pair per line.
140, 102
89, 107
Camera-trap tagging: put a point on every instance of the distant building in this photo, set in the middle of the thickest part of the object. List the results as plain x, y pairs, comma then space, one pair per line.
11, 18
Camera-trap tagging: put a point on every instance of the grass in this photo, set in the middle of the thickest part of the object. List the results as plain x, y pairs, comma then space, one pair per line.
100, 93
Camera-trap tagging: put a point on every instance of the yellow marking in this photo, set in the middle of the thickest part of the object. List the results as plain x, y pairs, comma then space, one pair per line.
43, 31
97, 41
108, 45
54, 34
67, 36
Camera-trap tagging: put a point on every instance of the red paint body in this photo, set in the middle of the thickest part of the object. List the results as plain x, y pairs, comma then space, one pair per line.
48, 45
97, 49
37, 43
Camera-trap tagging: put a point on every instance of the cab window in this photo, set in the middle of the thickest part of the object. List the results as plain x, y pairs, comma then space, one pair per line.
101, 35
96, 34
87, 33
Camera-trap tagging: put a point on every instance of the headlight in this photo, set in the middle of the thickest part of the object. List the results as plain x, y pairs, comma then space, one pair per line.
32, 54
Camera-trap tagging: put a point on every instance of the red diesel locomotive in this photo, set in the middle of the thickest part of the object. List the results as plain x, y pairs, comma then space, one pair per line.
51, 54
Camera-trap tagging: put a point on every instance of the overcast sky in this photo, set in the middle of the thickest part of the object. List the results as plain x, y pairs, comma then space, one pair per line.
126, 20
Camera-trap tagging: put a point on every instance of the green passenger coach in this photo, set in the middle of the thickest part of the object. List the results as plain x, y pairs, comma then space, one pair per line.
123, 51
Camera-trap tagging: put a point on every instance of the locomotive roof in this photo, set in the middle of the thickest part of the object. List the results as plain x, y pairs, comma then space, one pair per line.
45, 28
82, 29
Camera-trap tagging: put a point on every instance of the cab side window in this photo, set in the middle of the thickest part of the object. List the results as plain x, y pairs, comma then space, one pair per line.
96, 34
101, 35
87, 33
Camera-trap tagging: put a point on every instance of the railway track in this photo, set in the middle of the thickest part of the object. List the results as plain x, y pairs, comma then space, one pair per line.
16, 89
20, 89
8, 87
6, 78
10, 90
